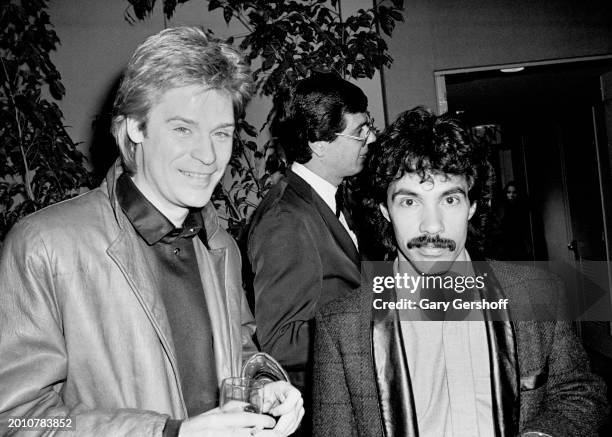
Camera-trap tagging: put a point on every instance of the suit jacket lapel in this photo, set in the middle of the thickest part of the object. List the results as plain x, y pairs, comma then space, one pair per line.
338, 231
503, 359
391, 368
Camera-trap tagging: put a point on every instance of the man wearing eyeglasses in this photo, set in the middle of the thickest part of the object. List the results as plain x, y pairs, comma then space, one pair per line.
302, 251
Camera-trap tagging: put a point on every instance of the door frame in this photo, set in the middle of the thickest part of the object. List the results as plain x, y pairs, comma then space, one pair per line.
440, 75
442, 107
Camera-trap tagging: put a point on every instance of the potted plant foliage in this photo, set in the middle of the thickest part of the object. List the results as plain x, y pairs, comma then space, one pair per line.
39, 163
285, 41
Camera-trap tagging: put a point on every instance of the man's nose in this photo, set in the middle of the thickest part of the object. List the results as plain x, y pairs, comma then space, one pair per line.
204, 151
431, 221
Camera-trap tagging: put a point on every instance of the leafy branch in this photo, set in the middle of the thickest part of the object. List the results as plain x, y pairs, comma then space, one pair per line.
39, 163
27, 174
286, 41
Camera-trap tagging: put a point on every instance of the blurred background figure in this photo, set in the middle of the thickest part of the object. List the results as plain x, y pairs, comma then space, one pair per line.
514, 240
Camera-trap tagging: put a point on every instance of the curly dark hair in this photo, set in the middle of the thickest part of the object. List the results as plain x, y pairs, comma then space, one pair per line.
316, 113
423, 143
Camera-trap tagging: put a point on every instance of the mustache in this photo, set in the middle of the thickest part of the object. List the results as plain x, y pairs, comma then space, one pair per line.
433, 240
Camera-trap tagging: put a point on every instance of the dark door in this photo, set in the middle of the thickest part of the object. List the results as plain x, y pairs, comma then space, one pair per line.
592, 229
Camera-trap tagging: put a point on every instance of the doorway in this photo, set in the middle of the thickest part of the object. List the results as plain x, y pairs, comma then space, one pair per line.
549, 116
554, 141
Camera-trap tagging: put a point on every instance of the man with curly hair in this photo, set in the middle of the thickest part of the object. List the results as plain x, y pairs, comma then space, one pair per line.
377, 372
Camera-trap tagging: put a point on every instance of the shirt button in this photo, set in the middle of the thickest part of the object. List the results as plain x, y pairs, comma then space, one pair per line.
177, 251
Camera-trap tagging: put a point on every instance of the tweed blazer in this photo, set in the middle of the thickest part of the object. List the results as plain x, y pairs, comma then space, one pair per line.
540, 374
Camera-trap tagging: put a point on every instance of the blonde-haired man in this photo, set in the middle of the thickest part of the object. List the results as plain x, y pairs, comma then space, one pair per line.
122, 310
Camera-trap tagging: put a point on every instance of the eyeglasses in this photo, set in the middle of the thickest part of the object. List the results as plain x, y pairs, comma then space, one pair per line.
366, 129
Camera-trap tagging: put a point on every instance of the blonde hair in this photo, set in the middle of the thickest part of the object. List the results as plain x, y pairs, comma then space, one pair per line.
173, 58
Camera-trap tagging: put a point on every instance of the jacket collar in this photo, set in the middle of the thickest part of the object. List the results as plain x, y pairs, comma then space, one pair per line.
342, 237
209, 214
395, 396
126, 251
148, 221
393, 378
503, 358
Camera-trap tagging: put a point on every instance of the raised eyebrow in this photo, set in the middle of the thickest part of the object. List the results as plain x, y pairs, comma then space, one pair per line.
456, 190
192, 122
182, 119
403, 192
224, 125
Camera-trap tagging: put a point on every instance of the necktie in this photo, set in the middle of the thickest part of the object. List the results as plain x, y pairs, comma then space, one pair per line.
340, 201
341, 207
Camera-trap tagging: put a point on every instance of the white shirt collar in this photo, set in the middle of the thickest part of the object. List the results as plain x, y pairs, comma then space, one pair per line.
323, 188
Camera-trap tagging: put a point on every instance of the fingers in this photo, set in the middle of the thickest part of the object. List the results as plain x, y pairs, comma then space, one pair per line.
300, 417
220, 424
236, 420
237, 432
243, 420
290, 404
273, 395
288, 423
267, 433
242, 432
291, 410
226, 432
234, 407
290, 398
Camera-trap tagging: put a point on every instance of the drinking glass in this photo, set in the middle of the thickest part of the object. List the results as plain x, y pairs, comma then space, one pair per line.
245, 390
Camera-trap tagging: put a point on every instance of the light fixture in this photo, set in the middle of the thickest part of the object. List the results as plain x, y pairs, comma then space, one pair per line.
512, 70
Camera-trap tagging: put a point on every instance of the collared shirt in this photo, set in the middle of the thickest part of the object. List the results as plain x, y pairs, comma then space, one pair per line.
325, 190
449, 370
171, 254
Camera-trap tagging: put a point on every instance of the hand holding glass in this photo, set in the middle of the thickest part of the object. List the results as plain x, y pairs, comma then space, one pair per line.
247, 391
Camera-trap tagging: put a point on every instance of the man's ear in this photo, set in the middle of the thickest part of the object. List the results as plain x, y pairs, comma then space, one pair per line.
384, 211
472, 210
318, 147
134, 132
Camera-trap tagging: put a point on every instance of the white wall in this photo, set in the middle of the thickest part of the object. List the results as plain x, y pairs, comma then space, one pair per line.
443, 34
